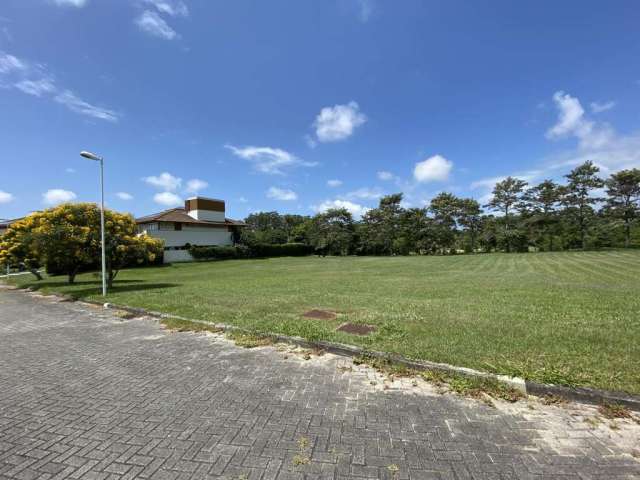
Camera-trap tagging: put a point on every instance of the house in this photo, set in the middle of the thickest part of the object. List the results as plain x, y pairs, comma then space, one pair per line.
5, 224
202, 221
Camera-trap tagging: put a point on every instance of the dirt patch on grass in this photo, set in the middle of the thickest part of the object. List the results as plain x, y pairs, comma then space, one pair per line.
318, 314
356, 329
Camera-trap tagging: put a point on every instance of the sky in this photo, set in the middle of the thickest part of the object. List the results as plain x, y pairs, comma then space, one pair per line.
303, 105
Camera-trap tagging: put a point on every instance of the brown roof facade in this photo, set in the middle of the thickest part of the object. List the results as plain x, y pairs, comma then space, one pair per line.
180, 215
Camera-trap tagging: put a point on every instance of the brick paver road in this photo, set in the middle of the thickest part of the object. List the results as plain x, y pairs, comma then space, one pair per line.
84, 394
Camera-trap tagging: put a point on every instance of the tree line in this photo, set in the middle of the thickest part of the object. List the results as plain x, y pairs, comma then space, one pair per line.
584, 212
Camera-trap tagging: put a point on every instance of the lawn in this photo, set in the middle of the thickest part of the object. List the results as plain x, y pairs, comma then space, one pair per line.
571, 318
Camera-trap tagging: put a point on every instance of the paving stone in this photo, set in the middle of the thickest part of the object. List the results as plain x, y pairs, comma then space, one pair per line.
85, 395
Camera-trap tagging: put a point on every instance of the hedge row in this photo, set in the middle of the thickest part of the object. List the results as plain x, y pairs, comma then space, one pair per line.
254, 251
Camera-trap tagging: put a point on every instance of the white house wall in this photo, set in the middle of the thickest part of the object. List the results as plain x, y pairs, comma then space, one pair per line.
205, 236
207, 215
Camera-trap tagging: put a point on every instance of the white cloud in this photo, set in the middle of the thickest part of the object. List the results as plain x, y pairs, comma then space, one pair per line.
173, 8
385, 176
164, 181
124, 196
365, 193
168, 199
433, 169
597, 141
153, 24
5, 197
77, 105
195, 185
334, 183
9, 63
242, 200
356, 210
33, 79
365, 9
269, 160
70, 170
281, 194
36, 87
338, 122
597, 107
570, 116
58, 195
572, 122
70, 3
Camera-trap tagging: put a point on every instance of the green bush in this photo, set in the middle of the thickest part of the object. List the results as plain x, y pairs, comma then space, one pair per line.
217, 252
260, 250
263, 250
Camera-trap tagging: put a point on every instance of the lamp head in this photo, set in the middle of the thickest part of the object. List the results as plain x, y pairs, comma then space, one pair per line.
89, 155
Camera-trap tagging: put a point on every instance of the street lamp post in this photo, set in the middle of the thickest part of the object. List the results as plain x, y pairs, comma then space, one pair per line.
96, 158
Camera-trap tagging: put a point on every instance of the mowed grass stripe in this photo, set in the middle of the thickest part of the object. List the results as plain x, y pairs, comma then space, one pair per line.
564, 317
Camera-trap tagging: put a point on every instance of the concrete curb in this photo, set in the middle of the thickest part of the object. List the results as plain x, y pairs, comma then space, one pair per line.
577, 394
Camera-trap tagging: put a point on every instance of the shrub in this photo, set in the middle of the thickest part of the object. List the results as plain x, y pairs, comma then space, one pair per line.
282, 250
213, 252
260, 250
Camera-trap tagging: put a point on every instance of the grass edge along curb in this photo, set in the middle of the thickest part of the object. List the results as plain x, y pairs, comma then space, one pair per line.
586, 395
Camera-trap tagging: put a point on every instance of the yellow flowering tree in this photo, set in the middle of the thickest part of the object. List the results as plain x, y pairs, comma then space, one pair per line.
67, 239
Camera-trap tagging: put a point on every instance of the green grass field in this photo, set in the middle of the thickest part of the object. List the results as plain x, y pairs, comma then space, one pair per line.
570, 318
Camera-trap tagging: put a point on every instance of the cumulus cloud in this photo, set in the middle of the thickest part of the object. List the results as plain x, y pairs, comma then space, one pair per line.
168, 199
195, 185
355, 209
269, 160
385, 176
164, 181
124, 196
70, 3
152, 23
596, 142
572, 122
5, 197
58, 195
281, 194
597, 107
432, 169
334, 183
365, 193
338, 122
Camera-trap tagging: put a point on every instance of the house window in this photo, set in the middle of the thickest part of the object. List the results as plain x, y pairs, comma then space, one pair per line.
177, 226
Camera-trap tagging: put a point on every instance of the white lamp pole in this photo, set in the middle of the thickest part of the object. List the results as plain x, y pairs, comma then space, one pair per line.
92, 156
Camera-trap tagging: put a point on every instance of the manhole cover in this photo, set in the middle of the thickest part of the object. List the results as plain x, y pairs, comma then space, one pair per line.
320, 314
356, 329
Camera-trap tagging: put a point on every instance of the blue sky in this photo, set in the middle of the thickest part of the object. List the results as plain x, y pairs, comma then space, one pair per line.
301, 105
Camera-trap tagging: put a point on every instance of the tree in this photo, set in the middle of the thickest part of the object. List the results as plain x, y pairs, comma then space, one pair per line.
332, 232
469, 216
623, 202
381, 226
578, 198
17, 246
265, 227
543, 200
124, 247
445, 208
68, 236
506, 197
